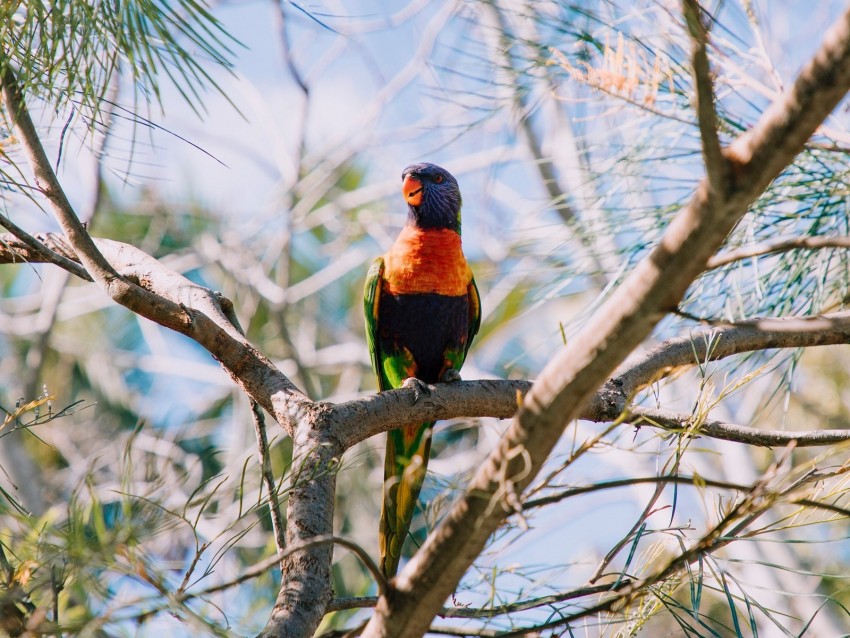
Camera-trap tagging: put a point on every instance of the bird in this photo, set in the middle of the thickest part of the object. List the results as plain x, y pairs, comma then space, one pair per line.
422, 310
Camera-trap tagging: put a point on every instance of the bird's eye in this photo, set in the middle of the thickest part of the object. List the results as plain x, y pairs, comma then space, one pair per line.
438, 179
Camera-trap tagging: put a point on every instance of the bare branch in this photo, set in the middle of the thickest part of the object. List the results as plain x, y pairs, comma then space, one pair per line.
208, 319
716, 165
204, 316
777, 245
357, 420
680, 422
213, 330
724, 341
36, 249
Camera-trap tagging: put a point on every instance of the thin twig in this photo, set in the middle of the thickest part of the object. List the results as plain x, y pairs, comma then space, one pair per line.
263, 567
676, 421
47, 255
757, 500
781, 244
716, 165
629, 536
268, 476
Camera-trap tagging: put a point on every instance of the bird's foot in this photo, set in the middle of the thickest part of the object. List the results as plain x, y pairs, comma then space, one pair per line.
419, 387
450, 376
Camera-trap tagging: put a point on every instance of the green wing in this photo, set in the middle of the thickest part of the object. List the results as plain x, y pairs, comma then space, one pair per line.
371, 298
456, 356
474, 314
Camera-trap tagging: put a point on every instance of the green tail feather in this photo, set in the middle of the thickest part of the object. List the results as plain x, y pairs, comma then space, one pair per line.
404, 470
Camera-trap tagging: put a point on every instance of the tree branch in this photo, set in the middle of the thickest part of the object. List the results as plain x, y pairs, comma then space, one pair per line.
620, 324
716, 165
775, 246
203, 319
46, 248
714, 429
45, 179
720, 342
268, 476
198, 313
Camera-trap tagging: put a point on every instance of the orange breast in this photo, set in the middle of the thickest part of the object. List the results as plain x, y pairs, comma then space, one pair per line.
426, 260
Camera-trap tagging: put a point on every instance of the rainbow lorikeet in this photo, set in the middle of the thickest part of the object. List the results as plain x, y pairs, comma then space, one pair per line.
422, 311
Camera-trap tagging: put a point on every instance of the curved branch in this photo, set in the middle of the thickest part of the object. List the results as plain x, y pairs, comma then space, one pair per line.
733, 432
779, 245
723, 341
45, 179
208, 318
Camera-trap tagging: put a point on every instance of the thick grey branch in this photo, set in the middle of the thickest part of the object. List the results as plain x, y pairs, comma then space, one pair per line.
306, 576
357, 420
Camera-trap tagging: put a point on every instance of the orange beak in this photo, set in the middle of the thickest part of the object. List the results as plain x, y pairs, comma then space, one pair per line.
412, 190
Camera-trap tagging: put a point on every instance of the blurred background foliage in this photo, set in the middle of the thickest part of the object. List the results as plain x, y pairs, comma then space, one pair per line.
571, 131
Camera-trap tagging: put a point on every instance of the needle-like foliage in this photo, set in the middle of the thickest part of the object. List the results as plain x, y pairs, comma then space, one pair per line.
67, 52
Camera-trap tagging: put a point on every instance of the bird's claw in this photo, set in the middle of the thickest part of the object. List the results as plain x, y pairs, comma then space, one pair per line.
419, 387
450, 376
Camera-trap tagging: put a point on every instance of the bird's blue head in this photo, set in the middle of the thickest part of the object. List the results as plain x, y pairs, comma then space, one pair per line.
432, 196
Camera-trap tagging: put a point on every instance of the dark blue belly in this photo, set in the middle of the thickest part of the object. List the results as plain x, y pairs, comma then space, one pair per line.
428, 325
